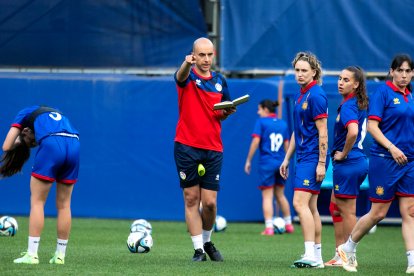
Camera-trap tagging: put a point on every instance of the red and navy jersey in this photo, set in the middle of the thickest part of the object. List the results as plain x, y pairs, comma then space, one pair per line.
348, 112
198, 124
311, 104
272, 132
45, 124
394, 111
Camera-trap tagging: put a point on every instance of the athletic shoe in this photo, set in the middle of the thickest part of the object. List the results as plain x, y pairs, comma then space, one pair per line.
305, 263
319, 264
349, 262
27, 259
336, 261
410, 269
269, 231
290, 228
199, 255
212, 252
58, 258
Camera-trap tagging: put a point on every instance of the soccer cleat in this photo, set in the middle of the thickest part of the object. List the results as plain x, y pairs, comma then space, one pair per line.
199, 255
349, 262
306, 263
58, 258
289, 228
27, 259
336, 261
269, 231
320, 264
410, 269
212, 252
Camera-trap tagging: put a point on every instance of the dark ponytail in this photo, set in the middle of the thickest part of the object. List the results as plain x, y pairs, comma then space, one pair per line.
13, 160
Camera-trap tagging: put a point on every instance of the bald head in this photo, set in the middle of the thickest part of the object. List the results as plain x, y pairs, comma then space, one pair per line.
202, 42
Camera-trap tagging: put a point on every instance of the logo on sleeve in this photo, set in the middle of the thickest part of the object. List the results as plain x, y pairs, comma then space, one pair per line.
379, 190
218, 87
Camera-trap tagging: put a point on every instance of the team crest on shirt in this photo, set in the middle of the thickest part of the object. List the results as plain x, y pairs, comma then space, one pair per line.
336, 187
182, 175
379, 190
396, 101
218, 87
338, 118
198, 81
305, 105
306, 182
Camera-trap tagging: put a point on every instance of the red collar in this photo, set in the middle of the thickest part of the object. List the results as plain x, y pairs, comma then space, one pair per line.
272, 115
309, 86
396, 89
350, 95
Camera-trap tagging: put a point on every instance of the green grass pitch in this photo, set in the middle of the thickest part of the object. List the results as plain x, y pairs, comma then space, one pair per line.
98, 247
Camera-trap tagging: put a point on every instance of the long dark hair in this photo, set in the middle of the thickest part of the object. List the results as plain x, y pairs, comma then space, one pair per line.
361, 90
269, 104
13, 160
398, 61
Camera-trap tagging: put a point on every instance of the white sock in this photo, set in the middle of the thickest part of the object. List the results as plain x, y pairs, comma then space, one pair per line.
61, 246
207, 235
33, 245
350, 245
198, 242
318, 251
410, 257
288, 219
269, 223
310, 249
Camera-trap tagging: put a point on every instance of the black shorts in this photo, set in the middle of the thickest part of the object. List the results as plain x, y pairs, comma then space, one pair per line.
187, 159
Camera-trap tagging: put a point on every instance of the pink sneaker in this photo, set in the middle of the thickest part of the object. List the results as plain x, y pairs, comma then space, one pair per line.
269, 231
290, 228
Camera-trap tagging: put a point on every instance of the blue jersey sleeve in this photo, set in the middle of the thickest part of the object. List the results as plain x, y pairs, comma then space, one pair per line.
319, 106
349, 113
377, 101
181, 84
22, 116
257, 131
226, 93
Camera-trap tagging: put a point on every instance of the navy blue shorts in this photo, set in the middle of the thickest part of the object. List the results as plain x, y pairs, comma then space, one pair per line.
57, 159
187, 159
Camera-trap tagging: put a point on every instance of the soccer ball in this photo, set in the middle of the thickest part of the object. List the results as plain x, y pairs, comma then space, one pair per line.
8, 226
139, 242
373, 229
220, 225
279, 225
140, 225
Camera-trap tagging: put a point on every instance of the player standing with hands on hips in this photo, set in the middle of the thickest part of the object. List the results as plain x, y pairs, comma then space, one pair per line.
310, 140
391, 164
271, 136
198, 141
350, 165
57, 159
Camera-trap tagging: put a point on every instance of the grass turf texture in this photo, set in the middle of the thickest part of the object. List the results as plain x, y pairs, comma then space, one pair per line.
98, 247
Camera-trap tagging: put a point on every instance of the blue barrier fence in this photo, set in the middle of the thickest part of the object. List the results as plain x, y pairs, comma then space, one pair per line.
127, 127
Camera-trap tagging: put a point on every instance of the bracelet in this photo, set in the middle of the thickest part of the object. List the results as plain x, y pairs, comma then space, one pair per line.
323, 162
389, 146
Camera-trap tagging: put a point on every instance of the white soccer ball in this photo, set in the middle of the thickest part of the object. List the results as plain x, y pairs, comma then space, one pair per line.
279, 225
141, 225
139, 242
220, 225
373, 229
8, 226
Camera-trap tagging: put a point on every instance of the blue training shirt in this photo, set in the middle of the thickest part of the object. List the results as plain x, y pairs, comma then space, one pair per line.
348, 112
45, 124
311, 104
272, 132
395, 112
